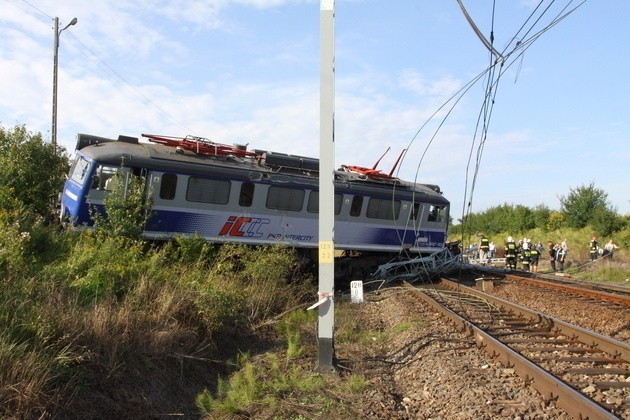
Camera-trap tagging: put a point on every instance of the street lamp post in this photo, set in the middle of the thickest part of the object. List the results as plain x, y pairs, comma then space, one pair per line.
55, 65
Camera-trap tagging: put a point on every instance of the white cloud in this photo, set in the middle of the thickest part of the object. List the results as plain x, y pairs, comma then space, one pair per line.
443, 87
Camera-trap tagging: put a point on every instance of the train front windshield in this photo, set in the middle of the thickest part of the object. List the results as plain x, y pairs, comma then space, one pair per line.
73, 208
80, 170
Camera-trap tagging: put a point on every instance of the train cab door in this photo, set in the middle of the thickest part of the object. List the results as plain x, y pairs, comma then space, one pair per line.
107, 179
102, 184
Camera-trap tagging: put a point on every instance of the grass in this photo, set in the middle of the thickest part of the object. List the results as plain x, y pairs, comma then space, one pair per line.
110, 320
92, 324
262, 388
283, 384
401, 328
605, 271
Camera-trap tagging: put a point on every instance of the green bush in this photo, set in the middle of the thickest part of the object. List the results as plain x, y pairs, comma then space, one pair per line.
13, 241
127, 208
232, 396
265, 382
102, 267
269, 277
195, 250
222, 309
31, 170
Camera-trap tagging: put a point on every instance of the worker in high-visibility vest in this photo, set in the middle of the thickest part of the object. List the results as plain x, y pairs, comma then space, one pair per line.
526, 255
484, 248
510, 254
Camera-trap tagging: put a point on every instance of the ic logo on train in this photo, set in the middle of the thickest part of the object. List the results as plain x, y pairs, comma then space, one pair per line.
248, 227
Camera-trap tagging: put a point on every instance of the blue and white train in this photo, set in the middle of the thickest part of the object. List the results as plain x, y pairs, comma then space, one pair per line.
228, 194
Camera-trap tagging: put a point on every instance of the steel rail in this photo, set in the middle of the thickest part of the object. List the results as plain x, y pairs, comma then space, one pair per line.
610, 287
619, 299
567, 398
609, 345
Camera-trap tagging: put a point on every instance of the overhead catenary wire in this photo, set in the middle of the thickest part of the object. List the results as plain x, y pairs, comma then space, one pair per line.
510, 54
484, 116
491, 91
488, 44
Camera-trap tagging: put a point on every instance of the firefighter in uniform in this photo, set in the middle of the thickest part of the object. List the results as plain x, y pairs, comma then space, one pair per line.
526, 255
510, 254
484, 248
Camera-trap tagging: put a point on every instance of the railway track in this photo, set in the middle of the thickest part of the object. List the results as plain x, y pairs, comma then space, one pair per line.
618, 295
587, 374
603, 292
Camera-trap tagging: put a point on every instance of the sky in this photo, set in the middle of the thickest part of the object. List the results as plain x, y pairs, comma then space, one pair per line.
248, 72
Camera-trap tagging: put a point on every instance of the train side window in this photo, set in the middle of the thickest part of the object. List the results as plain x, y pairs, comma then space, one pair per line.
168, 186
436, 213
246, 196
355, 207
79, 170
415, 213
313, 202
106, 177
204, 190
109, 178
379, 208
283, 198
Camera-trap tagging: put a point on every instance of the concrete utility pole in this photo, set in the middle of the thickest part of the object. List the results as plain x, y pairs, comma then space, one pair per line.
327, 189
55, 65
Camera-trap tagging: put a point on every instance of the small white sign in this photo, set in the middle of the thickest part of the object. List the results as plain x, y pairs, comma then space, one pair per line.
356, 291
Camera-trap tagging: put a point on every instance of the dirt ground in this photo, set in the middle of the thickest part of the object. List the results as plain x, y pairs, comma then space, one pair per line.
418, 366
429, 370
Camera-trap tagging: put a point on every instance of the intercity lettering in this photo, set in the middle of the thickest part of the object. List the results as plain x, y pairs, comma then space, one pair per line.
247, 227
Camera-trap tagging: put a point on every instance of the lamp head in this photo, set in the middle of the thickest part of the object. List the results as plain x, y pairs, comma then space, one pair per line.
72, 22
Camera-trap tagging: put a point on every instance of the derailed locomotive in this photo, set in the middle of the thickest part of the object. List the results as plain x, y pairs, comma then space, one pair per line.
229, 194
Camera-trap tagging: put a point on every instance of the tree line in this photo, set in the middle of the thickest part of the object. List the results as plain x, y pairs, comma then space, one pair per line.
583, 206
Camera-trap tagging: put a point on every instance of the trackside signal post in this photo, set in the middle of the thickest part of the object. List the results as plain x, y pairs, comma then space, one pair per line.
326, 302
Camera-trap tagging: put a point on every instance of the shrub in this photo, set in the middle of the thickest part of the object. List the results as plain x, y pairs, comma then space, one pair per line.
269, 277
32, 171
234, 395
101, 267
127, 208
195, 250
